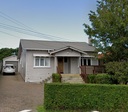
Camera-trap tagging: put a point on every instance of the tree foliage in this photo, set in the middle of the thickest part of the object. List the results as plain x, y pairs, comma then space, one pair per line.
109, 29
5, 52
119, 71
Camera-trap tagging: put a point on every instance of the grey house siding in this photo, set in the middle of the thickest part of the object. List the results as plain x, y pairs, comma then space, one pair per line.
37, 74
22, 64
94, 61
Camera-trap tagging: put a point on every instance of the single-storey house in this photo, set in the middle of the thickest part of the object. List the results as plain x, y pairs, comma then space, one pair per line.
39, 59
11, 60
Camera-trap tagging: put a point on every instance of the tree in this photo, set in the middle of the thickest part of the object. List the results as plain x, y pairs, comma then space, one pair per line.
5, 52
109, 29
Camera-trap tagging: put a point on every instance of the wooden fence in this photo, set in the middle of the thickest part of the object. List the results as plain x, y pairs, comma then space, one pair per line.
85, 70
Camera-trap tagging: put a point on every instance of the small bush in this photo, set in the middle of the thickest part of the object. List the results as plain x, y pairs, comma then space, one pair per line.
99, 78
91, 78
56, 77
103, 79
87, 97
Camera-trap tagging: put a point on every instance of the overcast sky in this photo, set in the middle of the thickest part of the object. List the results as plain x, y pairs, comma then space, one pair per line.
43, 20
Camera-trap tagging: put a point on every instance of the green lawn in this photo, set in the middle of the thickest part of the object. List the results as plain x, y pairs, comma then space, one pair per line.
41, 109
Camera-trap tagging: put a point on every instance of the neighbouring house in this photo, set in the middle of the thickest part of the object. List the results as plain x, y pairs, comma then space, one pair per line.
39, 59
11, 60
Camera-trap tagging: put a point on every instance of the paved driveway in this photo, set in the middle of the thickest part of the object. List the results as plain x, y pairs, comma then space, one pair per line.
16, 95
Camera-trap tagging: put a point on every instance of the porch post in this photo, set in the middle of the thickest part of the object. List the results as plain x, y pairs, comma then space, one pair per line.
79, 64
55, 64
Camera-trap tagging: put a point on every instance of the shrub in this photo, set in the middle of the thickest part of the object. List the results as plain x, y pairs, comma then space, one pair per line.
87, 97
103, 79
91, 78
56, 77
119, 71
100, 78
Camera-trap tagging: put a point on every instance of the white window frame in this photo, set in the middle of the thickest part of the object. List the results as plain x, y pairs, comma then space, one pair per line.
42, 57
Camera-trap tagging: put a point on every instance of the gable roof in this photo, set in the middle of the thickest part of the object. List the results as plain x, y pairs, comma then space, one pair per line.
68, 47
54, 45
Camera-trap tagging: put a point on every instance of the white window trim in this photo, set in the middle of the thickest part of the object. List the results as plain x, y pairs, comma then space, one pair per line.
39, 62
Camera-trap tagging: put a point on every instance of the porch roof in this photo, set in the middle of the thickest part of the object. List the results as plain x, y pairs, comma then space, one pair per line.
67, 47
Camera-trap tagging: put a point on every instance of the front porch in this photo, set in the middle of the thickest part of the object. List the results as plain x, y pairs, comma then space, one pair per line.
86, 70
69, 60
92, 69
77, 65
68, 65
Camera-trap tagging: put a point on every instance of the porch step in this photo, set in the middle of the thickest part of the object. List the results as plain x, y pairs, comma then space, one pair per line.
71, 78
48, 80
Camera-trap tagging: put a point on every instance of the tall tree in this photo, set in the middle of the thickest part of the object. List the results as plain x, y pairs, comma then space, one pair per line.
109, 29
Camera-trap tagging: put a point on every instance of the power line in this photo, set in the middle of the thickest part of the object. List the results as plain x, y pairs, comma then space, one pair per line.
13, 20
23, 31
29, 29
29, 32
9, 34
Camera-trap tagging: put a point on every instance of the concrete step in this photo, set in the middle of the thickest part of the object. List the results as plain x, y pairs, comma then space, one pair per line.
70, 75
71, 78
48, 80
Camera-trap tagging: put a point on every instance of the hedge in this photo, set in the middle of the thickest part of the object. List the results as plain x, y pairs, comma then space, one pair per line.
56, 77
91, 78
87, 97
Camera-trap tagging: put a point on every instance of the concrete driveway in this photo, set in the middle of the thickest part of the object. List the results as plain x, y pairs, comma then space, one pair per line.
16, 95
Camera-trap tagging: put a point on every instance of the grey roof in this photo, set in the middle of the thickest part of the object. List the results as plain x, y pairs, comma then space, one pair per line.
53, 45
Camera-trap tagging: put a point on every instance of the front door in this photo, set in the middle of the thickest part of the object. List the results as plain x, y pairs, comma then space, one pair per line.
67, 65
60, 65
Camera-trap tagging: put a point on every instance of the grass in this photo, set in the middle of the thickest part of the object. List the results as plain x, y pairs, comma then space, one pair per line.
42, 109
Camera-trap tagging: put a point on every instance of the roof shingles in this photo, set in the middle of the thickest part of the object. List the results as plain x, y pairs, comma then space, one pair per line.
50, 45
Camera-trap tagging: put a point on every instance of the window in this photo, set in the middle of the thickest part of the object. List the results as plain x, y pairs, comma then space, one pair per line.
41, 61
89, 62
85, 61
37, 59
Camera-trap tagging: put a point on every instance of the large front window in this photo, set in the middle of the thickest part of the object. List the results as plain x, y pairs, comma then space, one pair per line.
41, 61
85, 61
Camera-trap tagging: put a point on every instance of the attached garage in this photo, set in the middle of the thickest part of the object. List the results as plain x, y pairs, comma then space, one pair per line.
11, 60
